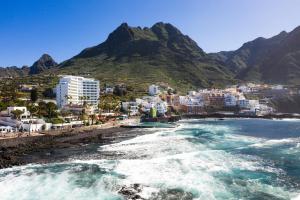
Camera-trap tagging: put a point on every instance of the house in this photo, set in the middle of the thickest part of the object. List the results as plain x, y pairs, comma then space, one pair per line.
6, 129
154, 90
216, 99
79, 109
264, 110
148, 102
243, 103
109, 90
131, 107
161, 107
243, 89
192, 109
230, 100
27, 88
192, 104
34, 125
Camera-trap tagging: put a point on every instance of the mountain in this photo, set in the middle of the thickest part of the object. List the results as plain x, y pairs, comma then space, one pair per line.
273, 60
162, 54
14, 71
139, 56
44, 63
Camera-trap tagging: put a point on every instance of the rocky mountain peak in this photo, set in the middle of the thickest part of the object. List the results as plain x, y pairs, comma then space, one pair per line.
43, 63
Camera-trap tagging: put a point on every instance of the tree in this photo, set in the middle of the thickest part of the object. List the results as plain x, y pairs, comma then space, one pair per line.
109, 103
51, 109
48, 93
34, 95
120, 90
33, 109
42, 109
17, 113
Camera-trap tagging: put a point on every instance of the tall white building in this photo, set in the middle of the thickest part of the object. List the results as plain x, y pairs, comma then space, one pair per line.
75, 90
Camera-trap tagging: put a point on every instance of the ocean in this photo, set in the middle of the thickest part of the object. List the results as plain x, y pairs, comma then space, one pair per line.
199, 159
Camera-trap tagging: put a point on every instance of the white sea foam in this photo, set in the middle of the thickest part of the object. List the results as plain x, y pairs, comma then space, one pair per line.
268, 143
191, 166
164, 160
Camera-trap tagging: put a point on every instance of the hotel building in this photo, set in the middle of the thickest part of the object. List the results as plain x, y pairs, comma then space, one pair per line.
75, 90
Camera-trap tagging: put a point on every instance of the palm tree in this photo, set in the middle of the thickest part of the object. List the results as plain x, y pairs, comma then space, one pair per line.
68, 98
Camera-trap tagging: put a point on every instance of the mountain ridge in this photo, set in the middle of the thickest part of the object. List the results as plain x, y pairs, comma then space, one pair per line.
162, 53
270, 60
44, 63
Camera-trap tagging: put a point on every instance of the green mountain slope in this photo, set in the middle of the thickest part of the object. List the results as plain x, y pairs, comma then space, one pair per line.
139, 57
273, 60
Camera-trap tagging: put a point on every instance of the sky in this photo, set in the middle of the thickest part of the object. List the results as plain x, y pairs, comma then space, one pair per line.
62, 28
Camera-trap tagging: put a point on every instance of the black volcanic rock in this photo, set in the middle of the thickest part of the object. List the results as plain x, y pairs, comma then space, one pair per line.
44, 63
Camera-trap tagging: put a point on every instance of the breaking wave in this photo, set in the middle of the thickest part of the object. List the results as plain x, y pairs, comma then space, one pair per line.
197, 160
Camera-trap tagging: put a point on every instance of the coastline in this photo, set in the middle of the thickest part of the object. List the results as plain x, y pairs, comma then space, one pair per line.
51, 147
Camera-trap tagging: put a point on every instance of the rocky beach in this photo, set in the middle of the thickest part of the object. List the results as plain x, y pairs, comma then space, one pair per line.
50, 148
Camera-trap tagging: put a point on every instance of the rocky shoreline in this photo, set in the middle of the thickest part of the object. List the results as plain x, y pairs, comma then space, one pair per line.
52, 148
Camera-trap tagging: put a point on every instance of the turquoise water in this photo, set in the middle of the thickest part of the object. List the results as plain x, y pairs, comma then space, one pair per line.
158, 124
199, 159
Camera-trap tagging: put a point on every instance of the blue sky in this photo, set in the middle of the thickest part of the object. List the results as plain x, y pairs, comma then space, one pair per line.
62, 28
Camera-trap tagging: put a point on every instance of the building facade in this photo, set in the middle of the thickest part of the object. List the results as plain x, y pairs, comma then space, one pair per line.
77, 90
154, 90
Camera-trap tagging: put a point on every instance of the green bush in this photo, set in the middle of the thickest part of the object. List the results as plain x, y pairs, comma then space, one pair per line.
57, 121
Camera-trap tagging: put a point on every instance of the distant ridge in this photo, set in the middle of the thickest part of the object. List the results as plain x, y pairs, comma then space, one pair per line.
273, 60
44, 63
162, 54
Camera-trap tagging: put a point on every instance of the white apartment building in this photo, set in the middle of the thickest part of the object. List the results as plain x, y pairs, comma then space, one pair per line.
76, 90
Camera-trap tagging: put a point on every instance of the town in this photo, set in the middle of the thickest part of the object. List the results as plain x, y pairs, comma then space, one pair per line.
80, 103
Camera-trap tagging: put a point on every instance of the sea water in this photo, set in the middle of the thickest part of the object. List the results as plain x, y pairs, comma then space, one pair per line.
199, 159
